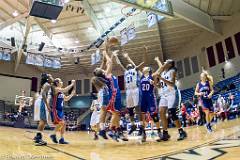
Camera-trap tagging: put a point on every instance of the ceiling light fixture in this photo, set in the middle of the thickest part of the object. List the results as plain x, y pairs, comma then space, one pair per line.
90, 28
107, 10
76, 41
54, 21
15, 13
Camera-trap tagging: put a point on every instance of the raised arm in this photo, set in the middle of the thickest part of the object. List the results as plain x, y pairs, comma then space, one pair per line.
103, 64
66, 89
140, 65
67, 98
108, 62
118, 60
129, 59
160, 66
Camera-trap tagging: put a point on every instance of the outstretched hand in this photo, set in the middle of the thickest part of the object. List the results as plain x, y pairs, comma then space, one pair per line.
156, 58
145, 47
125, 55
115, 53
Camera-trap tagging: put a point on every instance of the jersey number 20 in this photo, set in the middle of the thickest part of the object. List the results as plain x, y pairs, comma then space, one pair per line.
145, 87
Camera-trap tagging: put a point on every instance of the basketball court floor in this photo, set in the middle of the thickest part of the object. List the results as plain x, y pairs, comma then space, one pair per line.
223, 143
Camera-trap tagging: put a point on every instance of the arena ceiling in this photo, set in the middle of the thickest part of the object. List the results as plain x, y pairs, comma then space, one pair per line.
81, 22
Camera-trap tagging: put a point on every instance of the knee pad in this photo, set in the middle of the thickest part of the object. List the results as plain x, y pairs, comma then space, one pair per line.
154, 117
131, 112
172, 112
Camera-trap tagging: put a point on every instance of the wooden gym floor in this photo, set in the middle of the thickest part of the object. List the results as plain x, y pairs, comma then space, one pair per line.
223, 143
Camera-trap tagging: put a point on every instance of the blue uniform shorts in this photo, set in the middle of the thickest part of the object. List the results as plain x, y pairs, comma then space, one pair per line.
207, 104
148, 103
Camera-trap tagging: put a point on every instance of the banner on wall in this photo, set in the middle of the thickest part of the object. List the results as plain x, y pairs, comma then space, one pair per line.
153, 19
93, 59
39, 60
98, 56
43, 61
56, 63
124, 36
48, 62
5, 54
131, 32
30, 59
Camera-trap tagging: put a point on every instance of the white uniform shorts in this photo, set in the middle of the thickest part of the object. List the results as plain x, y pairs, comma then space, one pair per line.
132, 97
95, 118
170, 99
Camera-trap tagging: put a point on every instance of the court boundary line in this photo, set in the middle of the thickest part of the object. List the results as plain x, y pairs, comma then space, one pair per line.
182, 150
53, 148
66, 153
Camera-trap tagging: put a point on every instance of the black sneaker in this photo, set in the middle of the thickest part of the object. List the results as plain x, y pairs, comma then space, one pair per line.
140, 132
102, 134
144, 137
113, 135
165, 136
95, 136
40, 142
182, 135
121, 136
54, 138
160, 136
133, 128
37, 137
62, 141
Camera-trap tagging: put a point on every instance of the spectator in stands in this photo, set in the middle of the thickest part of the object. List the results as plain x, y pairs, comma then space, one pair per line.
230, 100
232, 86
184, 114
194, 116
221, 110
22, 102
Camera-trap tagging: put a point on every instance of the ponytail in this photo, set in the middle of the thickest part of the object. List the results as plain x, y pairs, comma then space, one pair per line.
209, 77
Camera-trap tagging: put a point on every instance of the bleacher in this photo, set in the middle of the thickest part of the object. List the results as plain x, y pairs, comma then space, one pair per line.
188, 94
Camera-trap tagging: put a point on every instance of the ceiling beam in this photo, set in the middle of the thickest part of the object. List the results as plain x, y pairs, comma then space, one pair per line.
20, 51
90, 12
222, 18
195, 16
146, 9
48, 33
13, 20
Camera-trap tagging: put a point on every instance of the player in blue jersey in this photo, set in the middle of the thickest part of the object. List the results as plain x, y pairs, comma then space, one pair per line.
114, 100
131, 79
57, 113
148, 100
204, 90
169, 99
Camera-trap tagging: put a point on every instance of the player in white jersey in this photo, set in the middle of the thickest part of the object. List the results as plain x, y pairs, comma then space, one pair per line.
42, 107
170, 99
131, 79
94, 122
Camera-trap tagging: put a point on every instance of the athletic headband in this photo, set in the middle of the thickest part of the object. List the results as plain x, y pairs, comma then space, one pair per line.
169, 61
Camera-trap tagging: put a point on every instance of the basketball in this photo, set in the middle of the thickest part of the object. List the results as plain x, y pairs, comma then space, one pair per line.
113, 41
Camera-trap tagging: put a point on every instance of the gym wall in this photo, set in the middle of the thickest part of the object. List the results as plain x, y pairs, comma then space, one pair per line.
198, 47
